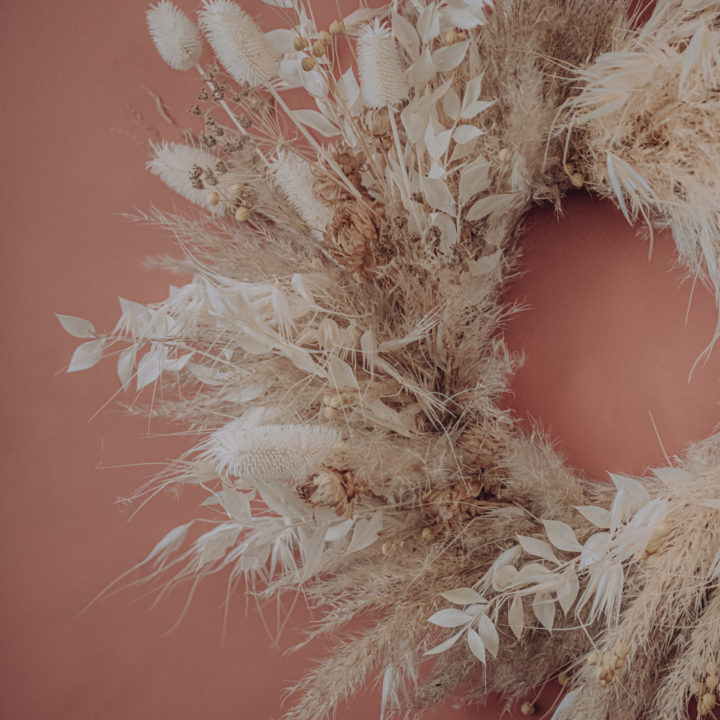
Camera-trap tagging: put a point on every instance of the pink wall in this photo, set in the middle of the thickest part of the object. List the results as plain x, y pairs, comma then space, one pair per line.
605, 340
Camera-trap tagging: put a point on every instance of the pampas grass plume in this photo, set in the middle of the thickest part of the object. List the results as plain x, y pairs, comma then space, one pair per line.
270, 453
241, 46
381, 75
175, 36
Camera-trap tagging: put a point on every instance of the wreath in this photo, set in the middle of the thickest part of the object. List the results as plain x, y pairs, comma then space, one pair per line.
337, 349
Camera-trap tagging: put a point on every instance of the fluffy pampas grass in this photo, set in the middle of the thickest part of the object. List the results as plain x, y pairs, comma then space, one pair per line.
175, 36
239, 43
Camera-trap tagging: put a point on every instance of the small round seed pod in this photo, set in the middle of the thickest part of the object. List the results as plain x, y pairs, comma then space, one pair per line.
324, 37
504, 156
237, 188
300, 43
527, 708
212, 198
319, 49
706, 703
563, 679
242, 213
592, 659
451, 37
308, 63
577, 179
337, 28
711, 681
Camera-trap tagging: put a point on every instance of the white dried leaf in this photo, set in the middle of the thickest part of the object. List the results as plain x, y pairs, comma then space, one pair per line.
446, 645
485, 264
476, 645
406, 35
340, 373
460, 18
489, 635
474, 179
384, 416
544, 609
472, 91
463, 596
451, 106
568, 593
599, 517
562, 712
86, 355
466, 133
516, 616
169, 543
76, 326
561, 535
423, 70
450, 618
538, 548
474, 109
317, 121
237, 505
448, 58
339, 531
126, 365
282, 40
595, 549
504, 577
672, 476
366, 532
151, 365
438, 195
428, 24
491, 204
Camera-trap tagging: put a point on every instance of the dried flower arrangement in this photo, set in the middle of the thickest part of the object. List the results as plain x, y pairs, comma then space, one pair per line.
337, 347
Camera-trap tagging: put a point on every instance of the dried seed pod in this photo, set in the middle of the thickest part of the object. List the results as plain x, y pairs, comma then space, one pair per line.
236, 189
308, 63
319, 49
527, 708
300, 43
337, 28
242, 213
577, 179
324, 37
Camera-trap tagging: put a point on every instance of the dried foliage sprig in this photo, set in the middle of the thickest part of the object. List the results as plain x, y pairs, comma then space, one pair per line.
337, 348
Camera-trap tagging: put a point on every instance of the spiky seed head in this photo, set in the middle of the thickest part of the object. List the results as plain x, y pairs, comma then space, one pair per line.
271, 452
382, 79
240, 45
175, 36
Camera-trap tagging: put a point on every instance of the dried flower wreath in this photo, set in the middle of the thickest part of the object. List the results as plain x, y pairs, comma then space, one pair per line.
337, 347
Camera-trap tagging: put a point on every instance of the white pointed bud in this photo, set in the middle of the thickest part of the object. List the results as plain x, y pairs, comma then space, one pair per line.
175, 36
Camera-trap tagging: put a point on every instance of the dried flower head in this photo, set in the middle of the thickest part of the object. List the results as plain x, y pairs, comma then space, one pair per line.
239, 43
382, 79
175, 36
271, 452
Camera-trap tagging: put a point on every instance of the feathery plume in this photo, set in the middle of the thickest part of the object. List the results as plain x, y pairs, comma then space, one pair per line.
270, 452
175, 36
381, 75
239, 43
181, 167
293, 177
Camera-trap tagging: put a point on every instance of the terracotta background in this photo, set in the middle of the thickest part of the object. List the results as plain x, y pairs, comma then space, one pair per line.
605, 340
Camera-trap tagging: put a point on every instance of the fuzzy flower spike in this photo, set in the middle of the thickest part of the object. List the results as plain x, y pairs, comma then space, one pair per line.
382, 79
241, 46
175, 36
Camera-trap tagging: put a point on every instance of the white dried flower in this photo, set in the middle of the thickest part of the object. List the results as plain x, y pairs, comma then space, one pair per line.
176, 164
270, 452
241, 46
175, 36
382, 79
294, 178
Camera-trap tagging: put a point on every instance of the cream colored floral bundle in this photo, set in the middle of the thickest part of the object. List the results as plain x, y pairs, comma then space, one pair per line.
337, 349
